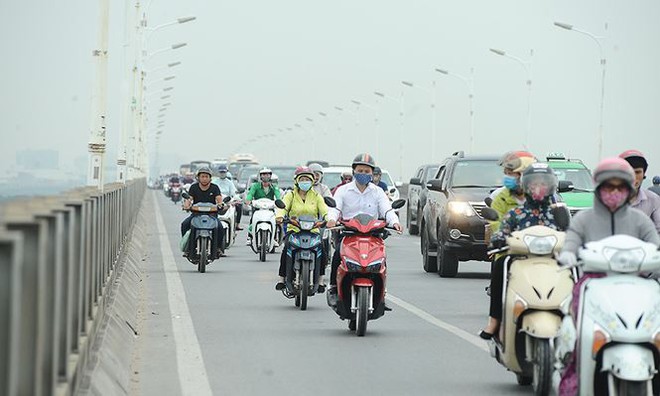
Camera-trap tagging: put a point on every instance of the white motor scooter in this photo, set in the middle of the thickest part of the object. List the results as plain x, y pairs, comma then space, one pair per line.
263, 227
618, 319
228, 222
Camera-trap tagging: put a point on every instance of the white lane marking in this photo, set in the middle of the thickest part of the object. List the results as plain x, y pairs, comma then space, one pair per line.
472, 339
189, 359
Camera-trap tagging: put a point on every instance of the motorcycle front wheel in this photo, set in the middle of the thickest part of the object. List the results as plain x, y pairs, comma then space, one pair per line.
362, 314
543, 367
304, 286
203, 255
263, 245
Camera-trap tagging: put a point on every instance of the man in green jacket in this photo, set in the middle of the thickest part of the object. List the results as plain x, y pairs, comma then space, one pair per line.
261, 189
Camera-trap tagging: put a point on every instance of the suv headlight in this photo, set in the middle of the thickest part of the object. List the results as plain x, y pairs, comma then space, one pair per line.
540, 245
624, 260
461, 208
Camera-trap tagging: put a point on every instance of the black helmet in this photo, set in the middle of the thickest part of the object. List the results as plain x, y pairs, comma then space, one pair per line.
204, 169
363, 159
539, 182
377, 171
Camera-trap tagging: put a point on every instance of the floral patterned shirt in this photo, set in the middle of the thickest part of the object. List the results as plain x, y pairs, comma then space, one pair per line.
527, 215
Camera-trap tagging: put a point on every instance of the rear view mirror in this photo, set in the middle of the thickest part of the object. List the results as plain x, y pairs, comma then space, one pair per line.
226, 199
330, 202
565, 186
435, 185
398, 204
562, 216
280, 204
416, 181
490, 214
185, 195
392, 190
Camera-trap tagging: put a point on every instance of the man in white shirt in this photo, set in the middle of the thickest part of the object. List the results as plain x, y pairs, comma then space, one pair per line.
228, 189
359, 196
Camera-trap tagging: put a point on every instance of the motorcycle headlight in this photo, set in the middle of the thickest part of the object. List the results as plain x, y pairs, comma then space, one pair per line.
461, 208
540, 245
306, 225
374, 266
353, 266
624, 260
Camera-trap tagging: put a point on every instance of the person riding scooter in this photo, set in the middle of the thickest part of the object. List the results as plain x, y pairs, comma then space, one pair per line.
261, 189
346, 177
611, 214
538, 186
203, 191
640, 199
228, 189
301, 201
359, 196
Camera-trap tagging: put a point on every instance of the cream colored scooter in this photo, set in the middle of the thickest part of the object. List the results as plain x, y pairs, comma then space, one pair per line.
532, 296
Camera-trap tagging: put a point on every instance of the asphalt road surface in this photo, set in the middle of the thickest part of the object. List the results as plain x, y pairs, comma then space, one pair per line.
228, 332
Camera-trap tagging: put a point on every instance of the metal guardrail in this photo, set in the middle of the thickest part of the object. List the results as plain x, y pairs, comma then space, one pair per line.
57, 255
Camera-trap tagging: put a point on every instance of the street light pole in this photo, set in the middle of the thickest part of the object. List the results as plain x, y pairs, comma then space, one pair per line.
469, 83
96, 145
376, 122
527, 66
401, 126
603, 63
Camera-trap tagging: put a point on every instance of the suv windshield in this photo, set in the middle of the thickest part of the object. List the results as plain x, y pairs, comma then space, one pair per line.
477, 173
581, 178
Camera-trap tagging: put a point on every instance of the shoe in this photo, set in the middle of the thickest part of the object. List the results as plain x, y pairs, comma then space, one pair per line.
276, 244
387, 308
280, 286
239, 228
321, 289
484, 335
221, 253
332, 296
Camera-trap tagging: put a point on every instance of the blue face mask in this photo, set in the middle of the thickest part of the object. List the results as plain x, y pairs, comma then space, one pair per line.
362, 178
510, 182
305, 186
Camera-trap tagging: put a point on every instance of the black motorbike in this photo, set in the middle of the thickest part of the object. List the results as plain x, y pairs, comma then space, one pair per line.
202, 245
303, 258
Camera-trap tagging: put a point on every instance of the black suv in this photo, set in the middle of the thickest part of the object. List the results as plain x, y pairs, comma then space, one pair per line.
452, 228
417, 193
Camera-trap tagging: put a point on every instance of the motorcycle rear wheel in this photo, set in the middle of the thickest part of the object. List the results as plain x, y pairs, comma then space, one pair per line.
203, 255
362, 313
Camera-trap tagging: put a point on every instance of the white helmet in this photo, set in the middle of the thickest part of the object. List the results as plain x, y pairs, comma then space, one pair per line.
265, 170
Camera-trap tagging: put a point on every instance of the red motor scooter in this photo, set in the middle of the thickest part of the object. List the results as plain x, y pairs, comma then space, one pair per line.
362, 273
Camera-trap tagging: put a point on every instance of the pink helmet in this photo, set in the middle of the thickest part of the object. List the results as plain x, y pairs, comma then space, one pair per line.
614, 167
635, 158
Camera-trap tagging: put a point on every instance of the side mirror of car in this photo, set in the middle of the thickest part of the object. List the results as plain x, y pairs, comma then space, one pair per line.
435, 185
562, 216
392, 190
416, 181
398, 204
330, 202
488, 201
185, 195
565, 186
490, 214
280, 204
398, 184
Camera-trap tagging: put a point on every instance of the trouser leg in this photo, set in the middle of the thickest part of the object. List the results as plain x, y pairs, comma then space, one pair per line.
185, 225
282, 270
496, 284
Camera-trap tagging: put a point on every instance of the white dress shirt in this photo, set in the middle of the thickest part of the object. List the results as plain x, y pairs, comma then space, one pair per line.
373, 201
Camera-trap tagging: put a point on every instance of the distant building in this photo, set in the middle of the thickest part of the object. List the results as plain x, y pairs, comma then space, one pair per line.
38, 159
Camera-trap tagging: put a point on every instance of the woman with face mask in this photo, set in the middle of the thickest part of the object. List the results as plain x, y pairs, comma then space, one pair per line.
611, 214
301, 201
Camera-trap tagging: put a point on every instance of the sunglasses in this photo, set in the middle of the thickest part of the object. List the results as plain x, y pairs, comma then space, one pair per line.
612, 187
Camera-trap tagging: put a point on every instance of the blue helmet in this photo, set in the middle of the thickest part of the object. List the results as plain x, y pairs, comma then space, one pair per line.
656, 179
223, 168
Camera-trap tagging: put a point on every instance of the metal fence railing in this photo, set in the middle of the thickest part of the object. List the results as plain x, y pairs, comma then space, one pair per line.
56, 257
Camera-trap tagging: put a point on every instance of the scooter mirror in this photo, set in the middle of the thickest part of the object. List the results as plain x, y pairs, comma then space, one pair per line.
490, 214
226, 199
185, 195
398, 204
488, 201
330, 202
280, 204
562, 217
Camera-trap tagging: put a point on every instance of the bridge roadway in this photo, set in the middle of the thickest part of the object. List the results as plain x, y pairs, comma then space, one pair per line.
228, 332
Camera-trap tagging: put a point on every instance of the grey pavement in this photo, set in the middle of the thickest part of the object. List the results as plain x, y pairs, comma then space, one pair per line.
255, 342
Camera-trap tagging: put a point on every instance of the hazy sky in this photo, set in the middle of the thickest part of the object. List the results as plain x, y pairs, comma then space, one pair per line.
252, 67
